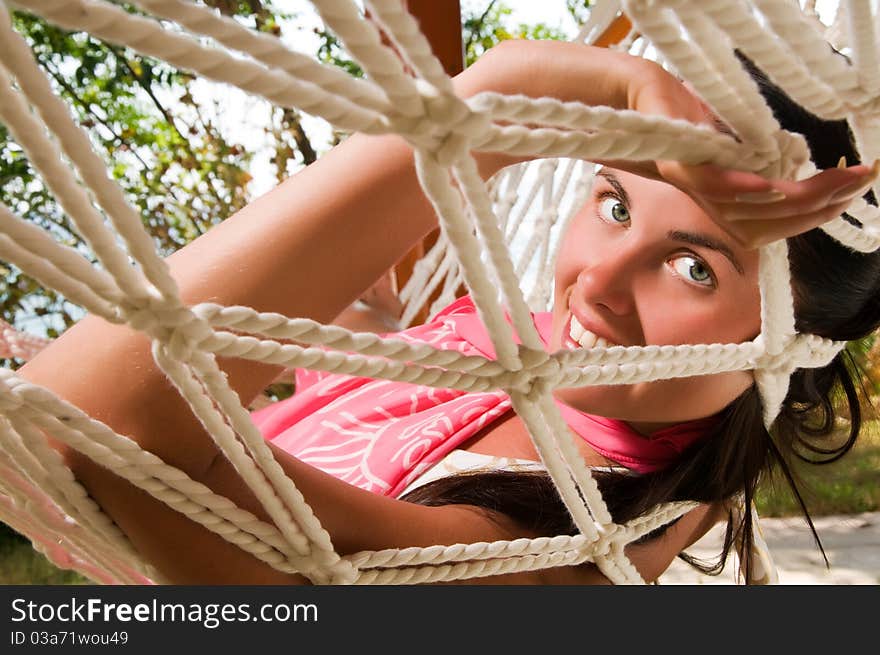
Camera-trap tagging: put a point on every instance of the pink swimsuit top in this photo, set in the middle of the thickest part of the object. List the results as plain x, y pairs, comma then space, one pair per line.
381, 435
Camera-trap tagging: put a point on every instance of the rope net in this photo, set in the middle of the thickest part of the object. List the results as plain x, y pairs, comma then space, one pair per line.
405, 92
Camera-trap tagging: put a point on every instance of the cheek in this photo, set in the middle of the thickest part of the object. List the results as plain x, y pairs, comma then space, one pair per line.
739, 317
575, 251
672, 314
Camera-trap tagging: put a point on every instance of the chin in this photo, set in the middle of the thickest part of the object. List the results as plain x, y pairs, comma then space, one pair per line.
623, 402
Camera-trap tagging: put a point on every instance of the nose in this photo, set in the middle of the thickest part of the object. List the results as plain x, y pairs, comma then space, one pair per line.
607, 283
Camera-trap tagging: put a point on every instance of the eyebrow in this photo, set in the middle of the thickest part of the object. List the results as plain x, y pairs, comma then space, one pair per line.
618, 187
696, 239
692, 238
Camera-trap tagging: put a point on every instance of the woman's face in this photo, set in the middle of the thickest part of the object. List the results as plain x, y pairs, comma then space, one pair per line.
642, 264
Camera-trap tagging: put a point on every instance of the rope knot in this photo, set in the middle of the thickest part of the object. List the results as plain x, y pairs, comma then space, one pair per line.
169, 322
801, 351
448, 127
538, 388
782, 362
791, 155
10, 401
539, 363
539, 373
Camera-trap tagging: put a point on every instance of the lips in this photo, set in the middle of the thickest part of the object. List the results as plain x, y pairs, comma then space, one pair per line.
580, 337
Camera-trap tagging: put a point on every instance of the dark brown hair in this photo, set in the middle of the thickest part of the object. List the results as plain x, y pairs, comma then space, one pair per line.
836, 296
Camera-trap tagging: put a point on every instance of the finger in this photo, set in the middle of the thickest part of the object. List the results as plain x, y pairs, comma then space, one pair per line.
666, 96
713, 182
726, 185
832, 186
647, 169
756, 233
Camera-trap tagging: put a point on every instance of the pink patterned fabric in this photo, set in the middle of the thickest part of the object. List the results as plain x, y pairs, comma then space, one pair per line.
381, 435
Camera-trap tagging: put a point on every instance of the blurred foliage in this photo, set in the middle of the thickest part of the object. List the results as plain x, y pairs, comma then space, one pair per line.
491, 26
20, 564
164, 148
174, 166
579, 10
847, 486
866, 353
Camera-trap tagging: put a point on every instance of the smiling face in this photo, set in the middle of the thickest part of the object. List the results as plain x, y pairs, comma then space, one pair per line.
642, 264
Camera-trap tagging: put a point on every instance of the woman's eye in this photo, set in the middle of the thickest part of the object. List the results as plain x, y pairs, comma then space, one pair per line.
612, 210
693, 270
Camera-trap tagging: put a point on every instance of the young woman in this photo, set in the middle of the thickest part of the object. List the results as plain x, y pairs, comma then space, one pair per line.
661, 254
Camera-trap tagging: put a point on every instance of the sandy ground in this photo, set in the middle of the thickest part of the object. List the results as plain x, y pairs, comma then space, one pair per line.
852, 543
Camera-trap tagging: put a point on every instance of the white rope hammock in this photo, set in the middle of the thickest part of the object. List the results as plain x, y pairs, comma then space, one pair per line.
40, 498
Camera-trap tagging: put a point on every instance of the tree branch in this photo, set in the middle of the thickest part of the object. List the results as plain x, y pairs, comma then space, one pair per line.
475, 33
162, 110
303, 143
90, 110
87, 107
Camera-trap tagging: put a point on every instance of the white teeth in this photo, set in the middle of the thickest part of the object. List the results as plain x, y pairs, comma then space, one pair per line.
585, 338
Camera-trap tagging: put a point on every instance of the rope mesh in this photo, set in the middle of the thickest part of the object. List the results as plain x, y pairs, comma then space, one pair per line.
39, 496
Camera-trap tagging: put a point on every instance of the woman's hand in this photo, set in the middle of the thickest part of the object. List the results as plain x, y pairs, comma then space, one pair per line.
753, 210
756, 216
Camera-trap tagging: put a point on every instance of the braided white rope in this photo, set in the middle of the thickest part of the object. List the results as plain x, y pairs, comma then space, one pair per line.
552, 202
599, 20
444, 130
864, 45
404, 31
149, 38
27, 508
41, 466
141, 468
268, 50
